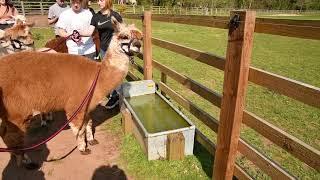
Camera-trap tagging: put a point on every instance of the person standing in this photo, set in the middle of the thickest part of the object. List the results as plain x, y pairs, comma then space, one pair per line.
101, 21
87, 5
54, 12
71, 22
7, 11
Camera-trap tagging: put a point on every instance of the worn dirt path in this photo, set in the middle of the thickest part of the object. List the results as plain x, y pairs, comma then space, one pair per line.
100, 164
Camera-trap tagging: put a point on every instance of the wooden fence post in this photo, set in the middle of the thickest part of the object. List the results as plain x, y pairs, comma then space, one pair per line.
147, 46
234, 89
164, 80
22, 8
41, 8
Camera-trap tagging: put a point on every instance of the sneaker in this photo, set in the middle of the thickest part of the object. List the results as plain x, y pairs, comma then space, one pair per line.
113, 101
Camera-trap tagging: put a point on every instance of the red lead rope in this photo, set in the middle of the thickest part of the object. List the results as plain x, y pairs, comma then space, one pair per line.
86, 100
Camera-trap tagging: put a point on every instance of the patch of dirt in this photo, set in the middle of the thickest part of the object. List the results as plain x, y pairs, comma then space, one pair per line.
100, 164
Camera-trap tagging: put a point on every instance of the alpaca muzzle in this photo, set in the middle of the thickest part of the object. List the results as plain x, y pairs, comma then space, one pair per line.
132, 47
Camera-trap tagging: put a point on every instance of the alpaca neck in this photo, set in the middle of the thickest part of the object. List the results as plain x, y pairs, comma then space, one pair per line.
116, 58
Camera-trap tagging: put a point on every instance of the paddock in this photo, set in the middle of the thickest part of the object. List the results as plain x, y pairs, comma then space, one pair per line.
305, 93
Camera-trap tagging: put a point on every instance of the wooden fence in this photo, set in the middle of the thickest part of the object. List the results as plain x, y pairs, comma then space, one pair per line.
232, 112
39, 7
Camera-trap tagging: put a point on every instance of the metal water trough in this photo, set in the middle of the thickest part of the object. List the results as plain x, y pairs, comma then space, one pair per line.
143, 101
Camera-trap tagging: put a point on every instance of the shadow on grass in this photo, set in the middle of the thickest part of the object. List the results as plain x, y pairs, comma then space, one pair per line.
204, 157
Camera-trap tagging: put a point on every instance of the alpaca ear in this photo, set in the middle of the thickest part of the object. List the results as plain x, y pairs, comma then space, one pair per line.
115, 24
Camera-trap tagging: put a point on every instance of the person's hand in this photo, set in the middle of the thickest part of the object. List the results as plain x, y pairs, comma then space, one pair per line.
76, 37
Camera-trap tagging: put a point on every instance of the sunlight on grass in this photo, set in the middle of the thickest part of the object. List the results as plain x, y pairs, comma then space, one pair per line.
290, 57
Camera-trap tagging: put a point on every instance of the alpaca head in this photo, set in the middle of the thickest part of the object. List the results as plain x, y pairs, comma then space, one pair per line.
17, 38
127, 37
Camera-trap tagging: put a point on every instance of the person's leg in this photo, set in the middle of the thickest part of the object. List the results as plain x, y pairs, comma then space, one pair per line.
113, 100
102, 54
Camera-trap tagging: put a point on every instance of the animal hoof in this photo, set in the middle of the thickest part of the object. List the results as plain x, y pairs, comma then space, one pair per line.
85, 152
93, 142
31, 166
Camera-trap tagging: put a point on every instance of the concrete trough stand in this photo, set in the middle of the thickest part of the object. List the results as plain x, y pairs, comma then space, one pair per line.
162, 130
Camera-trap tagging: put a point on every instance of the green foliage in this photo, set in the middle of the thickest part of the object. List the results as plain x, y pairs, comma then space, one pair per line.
255, 4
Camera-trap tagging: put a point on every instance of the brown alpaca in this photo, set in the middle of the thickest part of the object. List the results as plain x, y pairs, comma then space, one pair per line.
17, 38
56, 81
59, 44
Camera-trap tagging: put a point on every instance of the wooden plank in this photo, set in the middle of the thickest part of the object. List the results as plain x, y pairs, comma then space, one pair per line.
297, 90
291, 144
132, 77
206, 118
313, 23
164, 81
132, 16
267, 165
234, 89
175, 146
241, 174
140, 56
306, 32
215, 22
127, 122
204, 57
137, 67
204, 92
293, 28
210, 147
257, 158
147, 46
205, 142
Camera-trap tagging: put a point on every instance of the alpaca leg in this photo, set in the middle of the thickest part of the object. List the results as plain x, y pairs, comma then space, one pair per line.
81, 140
41, 116
89, 134
14, 137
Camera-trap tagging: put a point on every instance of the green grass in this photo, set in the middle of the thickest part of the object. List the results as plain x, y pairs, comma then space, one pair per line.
291, 57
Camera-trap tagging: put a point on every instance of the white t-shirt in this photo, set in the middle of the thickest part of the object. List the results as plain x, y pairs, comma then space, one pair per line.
69, 21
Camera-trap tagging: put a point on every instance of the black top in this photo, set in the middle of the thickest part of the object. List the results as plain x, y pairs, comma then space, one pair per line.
92, 11
104, 26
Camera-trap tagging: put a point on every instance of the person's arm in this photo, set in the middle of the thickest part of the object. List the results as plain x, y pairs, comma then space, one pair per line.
53, 20
88, 32
62, 25
63, 33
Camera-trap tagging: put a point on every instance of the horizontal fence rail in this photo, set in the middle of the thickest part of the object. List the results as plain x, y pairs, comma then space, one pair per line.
305, 93
294, 146
267, 165
290, 28
299, 149
211, 148
300, 91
